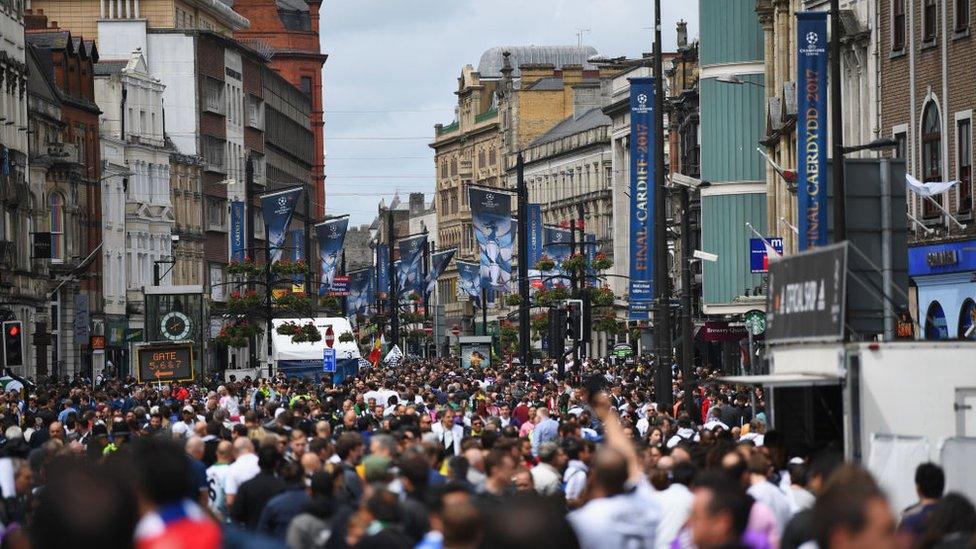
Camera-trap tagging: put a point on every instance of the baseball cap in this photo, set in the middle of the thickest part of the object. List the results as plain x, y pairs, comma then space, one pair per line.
189, 408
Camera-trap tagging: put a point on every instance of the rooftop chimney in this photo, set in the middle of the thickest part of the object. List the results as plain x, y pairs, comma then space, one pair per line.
682, 33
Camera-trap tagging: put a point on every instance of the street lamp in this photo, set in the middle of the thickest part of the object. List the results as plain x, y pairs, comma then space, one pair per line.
876, 145
734, 79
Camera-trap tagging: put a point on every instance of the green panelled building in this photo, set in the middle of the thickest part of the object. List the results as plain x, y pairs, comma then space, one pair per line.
732, 97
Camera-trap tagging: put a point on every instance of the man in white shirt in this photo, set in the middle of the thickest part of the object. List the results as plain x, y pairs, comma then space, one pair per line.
675, 502
621, 511
447, 433
216, 480
547, 475
244, 468
580, 453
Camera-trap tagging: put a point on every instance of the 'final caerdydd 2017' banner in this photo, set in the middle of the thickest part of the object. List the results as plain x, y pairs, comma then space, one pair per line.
439, 262
469, 281
642, 147
238, 230
360, 292
410, 274
811, 127
298, 254
331, 235
382, 270
277, 209
535, 251
491, 215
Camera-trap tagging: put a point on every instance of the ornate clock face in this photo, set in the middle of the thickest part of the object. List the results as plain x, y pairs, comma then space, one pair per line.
175, 326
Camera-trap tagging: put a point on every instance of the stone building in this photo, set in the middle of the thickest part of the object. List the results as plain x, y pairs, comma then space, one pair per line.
187, 198
926, 49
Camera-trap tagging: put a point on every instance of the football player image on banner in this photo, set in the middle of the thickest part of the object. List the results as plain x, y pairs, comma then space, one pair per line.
410, 274
277, 209
491, 215
469, 281
557, 248
439, 262
331, 235
360, 292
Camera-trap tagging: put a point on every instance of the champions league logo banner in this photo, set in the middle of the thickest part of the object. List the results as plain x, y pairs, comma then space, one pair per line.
277, 209
558, 249
410, 275
811, 127
331, 235
383, 270
360, 292
491, 215
237, 232
439, 262
469, 281
641, 188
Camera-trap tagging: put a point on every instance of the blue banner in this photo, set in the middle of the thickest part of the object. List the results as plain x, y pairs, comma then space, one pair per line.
298, 254
331, 235
558, 248
589, 246
535, 251
383, 270
758, 255
277, 209
641, 189
410, 273
438, 263
811, 127
491, 216
469, 281
238, 232
360, 292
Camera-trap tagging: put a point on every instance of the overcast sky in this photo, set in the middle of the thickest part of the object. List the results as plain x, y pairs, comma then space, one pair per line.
393, 67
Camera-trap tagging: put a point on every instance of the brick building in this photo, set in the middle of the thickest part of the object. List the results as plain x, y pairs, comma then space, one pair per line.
287, 31
927, 54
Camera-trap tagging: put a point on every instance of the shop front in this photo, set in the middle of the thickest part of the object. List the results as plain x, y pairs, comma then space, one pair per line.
945, 275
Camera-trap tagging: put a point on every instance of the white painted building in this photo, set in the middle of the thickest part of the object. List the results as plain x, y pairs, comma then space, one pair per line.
138, 214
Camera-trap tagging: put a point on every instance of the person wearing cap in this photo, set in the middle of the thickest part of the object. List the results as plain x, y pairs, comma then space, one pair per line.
184, 427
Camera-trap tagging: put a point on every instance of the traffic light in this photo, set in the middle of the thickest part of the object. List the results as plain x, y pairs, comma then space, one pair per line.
557, 332
13, 343
574, 319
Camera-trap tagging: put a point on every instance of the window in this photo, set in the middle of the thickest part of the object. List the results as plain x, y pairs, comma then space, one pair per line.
213, 95
215, 215
492, 156
901, 145
962, 15
57, 228
217, 290
444, 169
213, 153
931, 153
929, 23
255, 112
306, 85
454, 166
481, 158
964, 161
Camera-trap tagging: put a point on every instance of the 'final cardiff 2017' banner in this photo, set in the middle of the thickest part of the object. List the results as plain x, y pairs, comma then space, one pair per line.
439, 262
277, 209
410, 275
331, 235
238, 228
534, 239
811, 127
491, 215
382, 270
642, 190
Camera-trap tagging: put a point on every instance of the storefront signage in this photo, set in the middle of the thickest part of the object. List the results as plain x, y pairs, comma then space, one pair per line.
722, 331
942, 258
165, 362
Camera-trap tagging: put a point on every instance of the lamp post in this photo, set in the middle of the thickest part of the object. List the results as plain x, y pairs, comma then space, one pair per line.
662, 385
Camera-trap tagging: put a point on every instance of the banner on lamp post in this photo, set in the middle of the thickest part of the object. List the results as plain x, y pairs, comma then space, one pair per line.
409, 273
382, 270
642, 146
491, 216
558, 248
297, 254
469, 281
277, 209
238, 230
811, 142
331, 235
535, 236
439, 262
360, 292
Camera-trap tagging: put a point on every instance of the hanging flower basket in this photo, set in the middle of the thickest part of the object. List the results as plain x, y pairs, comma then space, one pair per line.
293, 301
288, 329
545, 263
306, 333
601, 297
414, 296
601, 262
236, 335
416, 334
574, 263
246, 268
411, 318
285, 267
346, 337
608, 324
243, 303
330, 302
513, 300
540, 323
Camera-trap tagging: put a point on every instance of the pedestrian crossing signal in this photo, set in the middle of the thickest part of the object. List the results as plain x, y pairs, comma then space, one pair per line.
13, 345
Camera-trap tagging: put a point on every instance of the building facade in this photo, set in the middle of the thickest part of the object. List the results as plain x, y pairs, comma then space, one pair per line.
927, 49
187, 198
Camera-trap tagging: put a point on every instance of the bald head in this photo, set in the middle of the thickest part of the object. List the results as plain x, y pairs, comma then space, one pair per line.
311, 464
194, 447
243, 446
609, 472
225, 451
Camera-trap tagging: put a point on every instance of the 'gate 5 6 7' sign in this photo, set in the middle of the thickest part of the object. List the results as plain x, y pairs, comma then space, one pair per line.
165, 362
807, 295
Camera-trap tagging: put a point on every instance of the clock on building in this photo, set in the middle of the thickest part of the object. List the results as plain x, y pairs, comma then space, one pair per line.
175, 326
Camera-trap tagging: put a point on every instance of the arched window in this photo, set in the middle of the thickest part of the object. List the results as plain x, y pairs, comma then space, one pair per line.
931, 153
935, 322
967, 320
57, 227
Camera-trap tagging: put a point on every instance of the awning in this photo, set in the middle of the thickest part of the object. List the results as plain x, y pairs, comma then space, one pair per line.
784, 380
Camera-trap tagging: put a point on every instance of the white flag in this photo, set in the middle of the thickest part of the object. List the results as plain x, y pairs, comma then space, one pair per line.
930, 188
394, 356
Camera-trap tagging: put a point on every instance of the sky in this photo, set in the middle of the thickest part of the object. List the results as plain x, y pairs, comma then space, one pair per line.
393, 66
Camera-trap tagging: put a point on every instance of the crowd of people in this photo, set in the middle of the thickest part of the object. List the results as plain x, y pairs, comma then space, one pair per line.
426, 454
